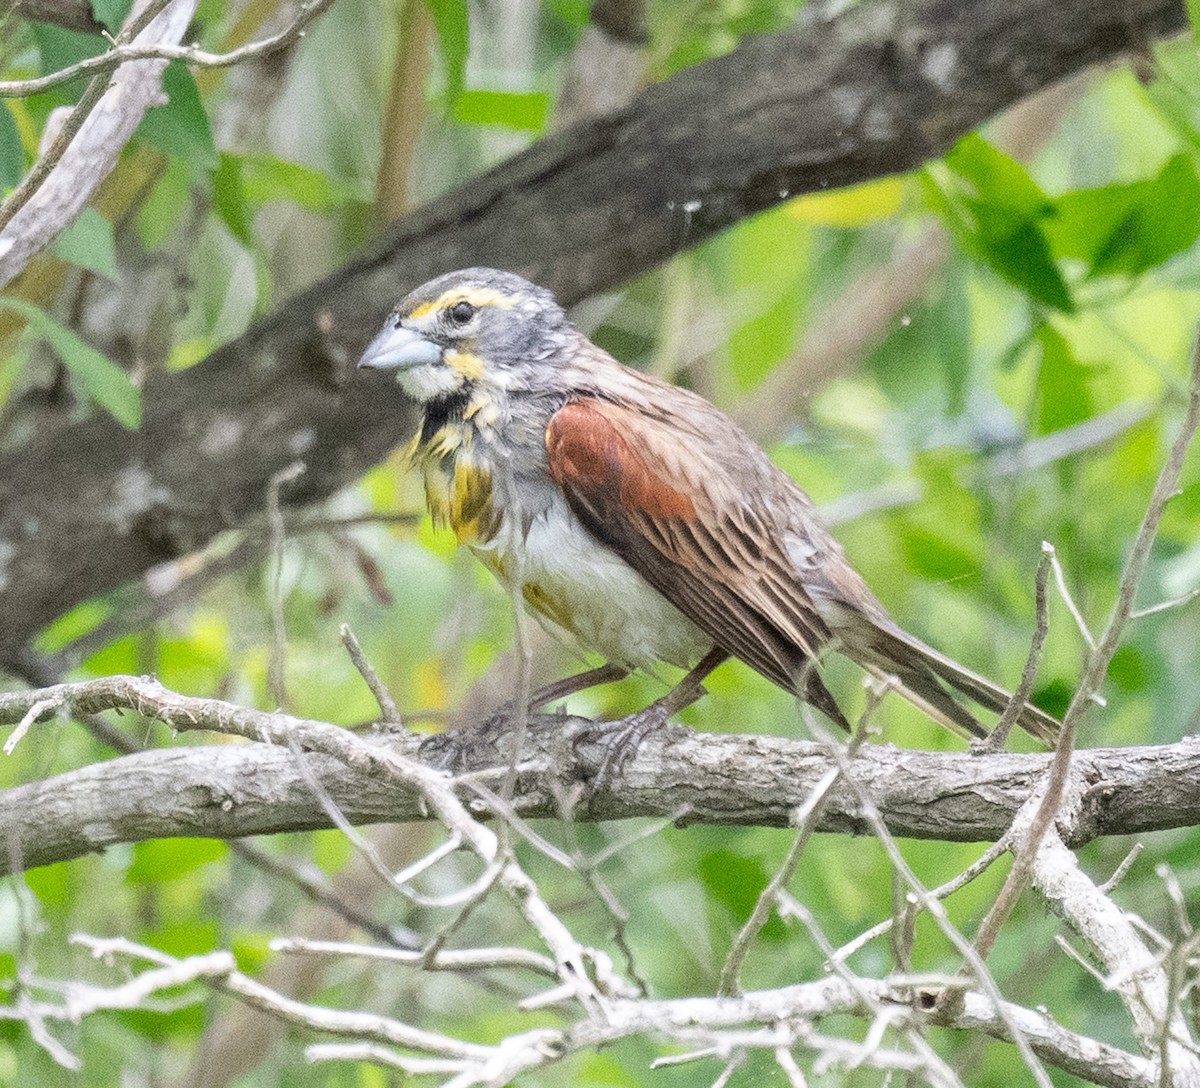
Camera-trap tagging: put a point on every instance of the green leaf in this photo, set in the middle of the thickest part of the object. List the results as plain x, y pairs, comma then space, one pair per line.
12, 154
88, 243
181, 126
165, 859
997, 178
997, 212
71, 625
105, 382
160, 213
184, 1017
1129, 669
371, 1076
183, 936
251, 949
929, 351
1021, 255
266, 178
112, 13
767, 248
575, 12
736, 882
1181, 518
229, 198
1193, 12
933, 556
331, 850
60, 48
1063, 397
1126, 229
524, 112
50, 883
170, 1021
450, 21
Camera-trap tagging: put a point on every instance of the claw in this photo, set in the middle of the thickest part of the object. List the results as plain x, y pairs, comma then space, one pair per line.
482, 745
459, 750
620, 739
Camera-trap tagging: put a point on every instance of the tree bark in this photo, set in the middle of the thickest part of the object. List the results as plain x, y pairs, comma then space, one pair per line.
228, 791
877, 89
71, 14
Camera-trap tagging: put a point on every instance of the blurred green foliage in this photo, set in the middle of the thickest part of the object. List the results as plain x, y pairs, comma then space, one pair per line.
1068, 290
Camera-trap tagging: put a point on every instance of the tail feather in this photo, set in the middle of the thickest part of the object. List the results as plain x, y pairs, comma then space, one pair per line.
818, 695
928, 696
918, 668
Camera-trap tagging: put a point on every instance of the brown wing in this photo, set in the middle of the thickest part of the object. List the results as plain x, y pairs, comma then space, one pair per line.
651, 494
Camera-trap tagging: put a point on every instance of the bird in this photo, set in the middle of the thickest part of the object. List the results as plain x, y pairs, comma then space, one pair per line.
637, 517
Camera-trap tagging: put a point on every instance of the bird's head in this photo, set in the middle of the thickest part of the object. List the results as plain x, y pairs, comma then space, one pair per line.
476, 329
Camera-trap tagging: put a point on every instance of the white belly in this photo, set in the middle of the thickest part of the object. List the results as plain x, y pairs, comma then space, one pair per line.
592, 593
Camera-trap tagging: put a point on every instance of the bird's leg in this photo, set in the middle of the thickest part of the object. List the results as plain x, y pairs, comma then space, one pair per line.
474, 745
608, 673
623, 737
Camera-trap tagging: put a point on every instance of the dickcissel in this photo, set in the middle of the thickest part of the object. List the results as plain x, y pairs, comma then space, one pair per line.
634, 514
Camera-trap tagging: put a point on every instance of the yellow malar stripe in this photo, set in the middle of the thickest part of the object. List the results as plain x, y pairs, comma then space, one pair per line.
469, 366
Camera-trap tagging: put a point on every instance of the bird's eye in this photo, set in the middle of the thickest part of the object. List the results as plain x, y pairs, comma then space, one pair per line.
461, 312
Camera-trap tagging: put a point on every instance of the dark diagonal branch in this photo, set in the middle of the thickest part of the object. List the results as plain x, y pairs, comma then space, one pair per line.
879, 88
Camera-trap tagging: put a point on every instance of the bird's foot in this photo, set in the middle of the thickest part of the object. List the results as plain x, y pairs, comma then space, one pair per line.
619, 740
484, 744
464, 749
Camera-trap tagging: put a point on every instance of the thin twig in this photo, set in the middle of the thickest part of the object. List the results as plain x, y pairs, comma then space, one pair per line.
1018, 875
1120, 871
884, 1014
191, 54
1097, 664
942, 891
95, 90
280, 868
31, 715
1061, 581
996, 739
469, 959
806, 818
979, 969
389, 712
1162, 606
361, 1025
1164, 488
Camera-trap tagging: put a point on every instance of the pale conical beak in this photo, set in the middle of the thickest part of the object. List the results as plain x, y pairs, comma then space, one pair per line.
397, 348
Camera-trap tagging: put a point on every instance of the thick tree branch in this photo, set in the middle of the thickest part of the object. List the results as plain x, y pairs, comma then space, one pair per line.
257, 788
72, 14
1133, 970
879, 88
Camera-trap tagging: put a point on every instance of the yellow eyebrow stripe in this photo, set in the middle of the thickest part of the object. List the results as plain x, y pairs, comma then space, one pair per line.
476, 296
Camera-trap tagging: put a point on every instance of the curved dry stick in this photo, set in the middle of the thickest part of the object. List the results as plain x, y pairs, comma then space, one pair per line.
63, 180
191, 54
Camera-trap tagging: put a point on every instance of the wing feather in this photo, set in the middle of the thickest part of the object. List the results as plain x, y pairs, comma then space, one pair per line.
713, 558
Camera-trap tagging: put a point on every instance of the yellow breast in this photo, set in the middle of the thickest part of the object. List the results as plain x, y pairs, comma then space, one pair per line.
458, 487
461, 499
